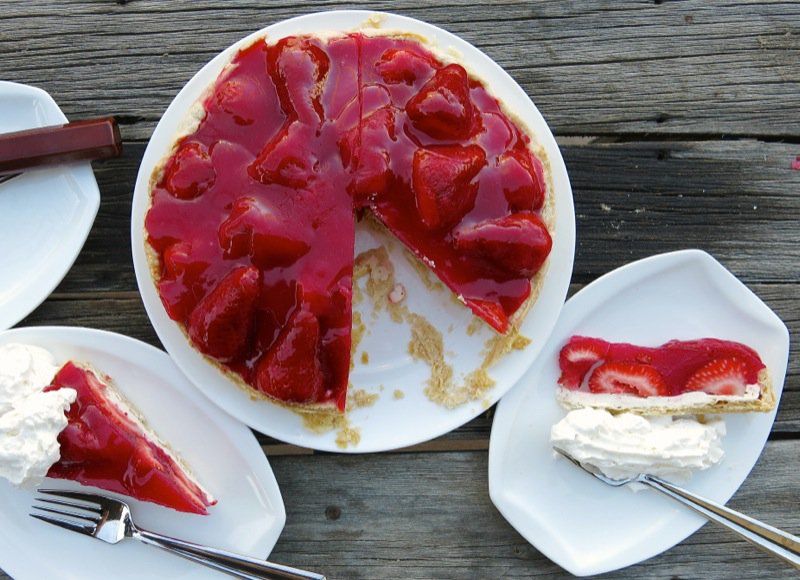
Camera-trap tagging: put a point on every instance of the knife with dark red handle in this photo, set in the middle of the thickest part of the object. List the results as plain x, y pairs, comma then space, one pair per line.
82, 140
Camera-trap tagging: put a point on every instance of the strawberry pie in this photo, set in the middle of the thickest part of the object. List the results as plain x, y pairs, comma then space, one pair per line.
705, 375
105, 445
251, 225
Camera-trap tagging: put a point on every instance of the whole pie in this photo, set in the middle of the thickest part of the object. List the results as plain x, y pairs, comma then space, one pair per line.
251, 225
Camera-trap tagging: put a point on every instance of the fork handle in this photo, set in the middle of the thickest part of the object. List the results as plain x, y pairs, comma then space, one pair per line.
770, 539
224, 561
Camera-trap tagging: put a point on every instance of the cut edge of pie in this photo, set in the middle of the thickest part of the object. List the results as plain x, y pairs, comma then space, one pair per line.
679, 377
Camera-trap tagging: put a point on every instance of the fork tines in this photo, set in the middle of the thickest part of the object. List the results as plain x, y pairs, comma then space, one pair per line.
87, 518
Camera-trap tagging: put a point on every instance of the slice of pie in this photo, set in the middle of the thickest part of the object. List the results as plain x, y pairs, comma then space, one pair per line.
251, 224
107, 446
706, 375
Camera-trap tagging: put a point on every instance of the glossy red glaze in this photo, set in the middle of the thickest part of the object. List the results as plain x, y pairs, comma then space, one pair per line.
677, 362
101, 446
300, 136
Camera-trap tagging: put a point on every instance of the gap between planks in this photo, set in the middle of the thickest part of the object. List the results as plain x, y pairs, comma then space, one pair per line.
436, 446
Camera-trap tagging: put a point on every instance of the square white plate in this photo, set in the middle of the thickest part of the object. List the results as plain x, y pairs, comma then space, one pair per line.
45, 214
578, 522
223, 455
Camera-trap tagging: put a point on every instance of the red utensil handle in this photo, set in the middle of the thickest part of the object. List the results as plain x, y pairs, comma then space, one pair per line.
89, 139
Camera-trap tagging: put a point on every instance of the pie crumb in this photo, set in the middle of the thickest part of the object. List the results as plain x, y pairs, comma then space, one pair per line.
348, 436
474, 326
520, 342
364, 358
362, 398
398, 394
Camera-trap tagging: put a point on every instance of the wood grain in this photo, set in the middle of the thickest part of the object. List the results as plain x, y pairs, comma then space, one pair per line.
678, 124
435, 525
593, 68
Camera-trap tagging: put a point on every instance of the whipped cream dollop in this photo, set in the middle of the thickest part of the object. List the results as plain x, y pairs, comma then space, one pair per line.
30, 419
626, 444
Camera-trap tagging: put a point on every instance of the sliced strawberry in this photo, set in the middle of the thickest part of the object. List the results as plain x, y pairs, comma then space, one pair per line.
441, 179
722, 376
221, 323
254, 229
522, 176
399, 65
287, 159
190, 173
291, 370
442, 107
577, 357
298, 67
628, 379
518, 243
491, 312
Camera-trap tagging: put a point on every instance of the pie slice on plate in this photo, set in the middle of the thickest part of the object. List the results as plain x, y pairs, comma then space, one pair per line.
106, 445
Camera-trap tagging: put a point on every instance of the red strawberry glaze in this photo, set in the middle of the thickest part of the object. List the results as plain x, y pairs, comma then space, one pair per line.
301, 136
101, 446
676, 362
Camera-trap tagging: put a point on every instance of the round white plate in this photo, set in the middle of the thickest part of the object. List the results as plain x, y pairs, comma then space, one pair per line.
223, 454
575, 520
402, 415
45, 214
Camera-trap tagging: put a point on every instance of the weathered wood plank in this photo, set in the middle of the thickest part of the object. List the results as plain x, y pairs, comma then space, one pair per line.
592, 67
441, 524
677, 100
125, 314
632, 200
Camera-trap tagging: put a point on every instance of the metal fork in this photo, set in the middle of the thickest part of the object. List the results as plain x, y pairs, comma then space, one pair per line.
110, 520
770, 539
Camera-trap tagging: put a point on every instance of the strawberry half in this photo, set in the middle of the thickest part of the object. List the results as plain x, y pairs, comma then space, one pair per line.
577, 357
441, 178
363, 151
253, 229
522, 176
180, 286
221, 323
518, 243
628, 379
286, 159
722, 376
190, 173
442, 107
399, 65
299, 67
291, 369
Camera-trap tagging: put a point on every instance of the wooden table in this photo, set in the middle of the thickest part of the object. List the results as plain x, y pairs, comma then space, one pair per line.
679, 125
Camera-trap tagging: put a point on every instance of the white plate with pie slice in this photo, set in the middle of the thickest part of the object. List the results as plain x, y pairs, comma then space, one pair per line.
223, 455
399, 413
45, 214
578, 522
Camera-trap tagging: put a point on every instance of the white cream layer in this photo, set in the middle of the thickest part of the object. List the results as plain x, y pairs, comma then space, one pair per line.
573, 399
624, 445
